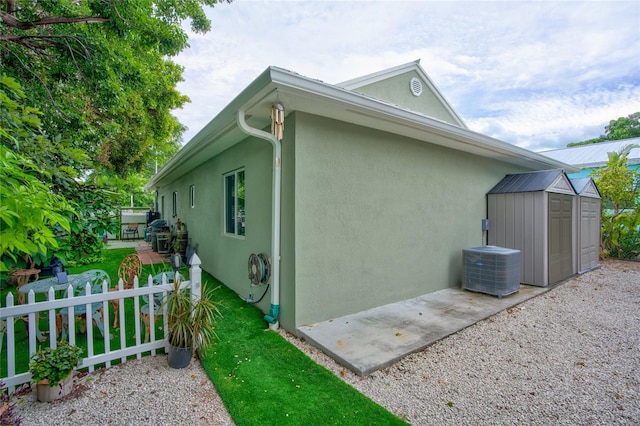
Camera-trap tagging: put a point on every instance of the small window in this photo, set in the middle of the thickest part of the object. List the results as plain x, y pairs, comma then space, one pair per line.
192, 196
174, 205
234, 213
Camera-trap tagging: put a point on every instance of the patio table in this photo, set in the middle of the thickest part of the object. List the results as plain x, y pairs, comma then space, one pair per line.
75, 280
43, 285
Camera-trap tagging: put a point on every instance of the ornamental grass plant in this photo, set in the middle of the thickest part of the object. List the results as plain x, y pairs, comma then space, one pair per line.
191, 322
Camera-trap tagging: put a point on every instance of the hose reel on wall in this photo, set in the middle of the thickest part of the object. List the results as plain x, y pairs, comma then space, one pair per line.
259, 269
259, 274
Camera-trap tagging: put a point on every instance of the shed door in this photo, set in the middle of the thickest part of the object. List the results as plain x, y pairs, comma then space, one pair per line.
560, 237
589, 232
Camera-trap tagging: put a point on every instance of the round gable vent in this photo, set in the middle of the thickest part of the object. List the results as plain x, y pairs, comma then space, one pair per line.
416, 87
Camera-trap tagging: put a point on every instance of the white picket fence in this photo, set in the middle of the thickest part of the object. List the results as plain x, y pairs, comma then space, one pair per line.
33, 310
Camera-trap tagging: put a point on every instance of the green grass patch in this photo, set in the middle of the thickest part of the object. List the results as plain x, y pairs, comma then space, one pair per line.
264, 379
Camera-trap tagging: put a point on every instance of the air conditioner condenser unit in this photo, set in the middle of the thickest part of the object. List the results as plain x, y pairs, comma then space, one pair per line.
492, 270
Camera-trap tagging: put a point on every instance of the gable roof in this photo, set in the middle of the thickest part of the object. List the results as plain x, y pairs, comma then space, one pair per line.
585, 186
360, 83
302, 94
594, 155
546, 180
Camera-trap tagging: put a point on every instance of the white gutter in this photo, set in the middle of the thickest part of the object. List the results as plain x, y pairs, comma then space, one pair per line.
272, 317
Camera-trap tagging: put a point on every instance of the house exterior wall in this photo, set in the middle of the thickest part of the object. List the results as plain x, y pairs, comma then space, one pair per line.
396, 90
519, 221
380, 218
223, 256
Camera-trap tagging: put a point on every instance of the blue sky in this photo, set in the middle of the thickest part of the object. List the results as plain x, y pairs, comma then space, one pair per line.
536, 74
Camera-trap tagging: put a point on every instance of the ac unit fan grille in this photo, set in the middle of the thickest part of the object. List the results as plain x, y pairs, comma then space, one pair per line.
491, 270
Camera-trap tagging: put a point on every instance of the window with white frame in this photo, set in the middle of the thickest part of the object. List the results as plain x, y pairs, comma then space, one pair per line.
192, 196
234, 213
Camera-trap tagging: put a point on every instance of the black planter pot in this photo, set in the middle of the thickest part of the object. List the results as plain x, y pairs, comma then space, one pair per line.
179, 357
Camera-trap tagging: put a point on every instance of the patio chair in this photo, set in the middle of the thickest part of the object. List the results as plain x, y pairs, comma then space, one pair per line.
157, 303
130, 268
80, 312
131, 232
158, 300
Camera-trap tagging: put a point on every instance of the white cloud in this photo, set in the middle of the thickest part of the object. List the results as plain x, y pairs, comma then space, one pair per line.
537, 74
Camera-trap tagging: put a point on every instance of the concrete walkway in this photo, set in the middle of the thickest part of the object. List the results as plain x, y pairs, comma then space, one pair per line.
376, 338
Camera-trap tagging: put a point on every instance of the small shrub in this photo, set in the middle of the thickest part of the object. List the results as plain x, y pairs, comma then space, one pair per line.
54, 364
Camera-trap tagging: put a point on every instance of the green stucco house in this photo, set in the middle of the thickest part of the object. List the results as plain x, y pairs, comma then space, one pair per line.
364, 193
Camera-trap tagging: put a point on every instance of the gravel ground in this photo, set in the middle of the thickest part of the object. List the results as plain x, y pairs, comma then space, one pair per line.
568, 357
139, 392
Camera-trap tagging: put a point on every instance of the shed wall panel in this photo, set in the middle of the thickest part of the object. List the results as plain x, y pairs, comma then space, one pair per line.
518, 221
560, 237
589, 234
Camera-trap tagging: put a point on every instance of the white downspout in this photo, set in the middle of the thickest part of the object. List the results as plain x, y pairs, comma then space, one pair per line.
272, 317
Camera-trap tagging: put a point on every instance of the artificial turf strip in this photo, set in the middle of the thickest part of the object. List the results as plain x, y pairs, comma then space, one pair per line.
264, 379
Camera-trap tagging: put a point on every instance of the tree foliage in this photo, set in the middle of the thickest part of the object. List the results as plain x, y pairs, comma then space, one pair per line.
31, 214
100, 72
619, 186
622, 128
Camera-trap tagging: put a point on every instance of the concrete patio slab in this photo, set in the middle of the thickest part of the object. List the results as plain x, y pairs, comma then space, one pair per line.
379, 337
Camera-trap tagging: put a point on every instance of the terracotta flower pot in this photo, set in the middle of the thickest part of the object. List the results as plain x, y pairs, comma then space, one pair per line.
46, 393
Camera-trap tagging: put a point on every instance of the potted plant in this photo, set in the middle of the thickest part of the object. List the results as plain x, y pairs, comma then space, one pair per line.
52, 370
191, 325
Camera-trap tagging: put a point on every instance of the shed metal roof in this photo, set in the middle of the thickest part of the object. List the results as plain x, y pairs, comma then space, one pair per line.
585, 186
594, 155
580, 183
544, 180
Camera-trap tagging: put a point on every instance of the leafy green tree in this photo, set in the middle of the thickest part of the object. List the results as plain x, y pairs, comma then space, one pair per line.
100, 70
622, 128
619, 186
31, 215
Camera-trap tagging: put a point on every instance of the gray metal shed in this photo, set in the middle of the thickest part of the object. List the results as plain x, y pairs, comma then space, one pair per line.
588, 212
534, 213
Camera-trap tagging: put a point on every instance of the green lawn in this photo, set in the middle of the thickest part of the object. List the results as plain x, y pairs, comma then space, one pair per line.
261, 377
